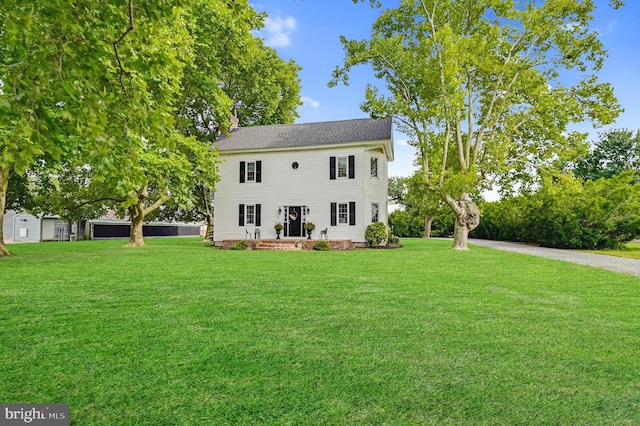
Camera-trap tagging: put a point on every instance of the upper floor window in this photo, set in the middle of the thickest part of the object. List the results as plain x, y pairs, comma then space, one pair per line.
250, 171
374, 166
342, 167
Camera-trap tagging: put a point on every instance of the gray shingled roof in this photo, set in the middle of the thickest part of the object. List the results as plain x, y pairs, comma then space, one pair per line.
306, 134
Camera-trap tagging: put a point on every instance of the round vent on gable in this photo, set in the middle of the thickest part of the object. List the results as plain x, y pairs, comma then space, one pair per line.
294, 165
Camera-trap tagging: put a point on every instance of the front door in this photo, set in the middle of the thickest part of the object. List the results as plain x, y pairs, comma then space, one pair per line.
294, 221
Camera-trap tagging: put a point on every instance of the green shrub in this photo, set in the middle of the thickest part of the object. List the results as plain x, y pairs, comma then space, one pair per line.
392, 239
239, 245
568, 213
405, 225
375, 234
321, 246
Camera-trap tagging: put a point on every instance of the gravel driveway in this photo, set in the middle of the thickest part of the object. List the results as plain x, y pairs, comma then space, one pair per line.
612, 263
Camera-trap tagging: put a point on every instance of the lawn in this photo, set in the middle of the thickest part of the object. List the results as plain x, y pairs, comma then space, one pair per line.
631, 250
177, 333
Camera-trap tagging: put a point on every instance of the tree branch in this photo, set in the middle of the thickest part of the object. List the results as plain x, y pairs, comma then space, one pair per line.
115, 45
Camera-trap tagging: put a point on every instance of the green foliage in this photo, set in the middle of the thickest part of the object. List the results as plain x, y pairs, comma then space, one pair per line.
405, 225
309, 226
375, 234
398, 188
392, 239
233, 73
479, 87
507, 220
443, 225
128, 98
239, 245
615, 152
568, 213
321, 246
423, 207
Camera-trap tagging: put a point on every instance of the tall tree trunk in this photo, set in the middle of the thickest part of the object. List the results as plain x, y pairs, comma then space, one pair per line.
428, 220
136, 214
4, 184
208, 235
467, 218
204, 207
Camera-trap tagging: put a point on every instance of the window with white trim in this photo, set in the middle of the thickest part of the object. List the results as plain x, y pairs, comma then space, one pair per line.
374, 167
343, 213
375, 211
249, 214
250, 211
343, 167
251, 171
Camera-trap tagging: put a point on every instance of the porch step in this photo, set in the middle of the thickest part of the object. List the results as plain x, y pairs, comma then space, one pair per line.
283, 246
288, 245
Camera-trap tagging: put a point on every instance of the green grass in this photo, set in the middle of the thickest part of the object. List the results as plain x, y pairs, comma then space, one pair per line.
180, 334
631, 251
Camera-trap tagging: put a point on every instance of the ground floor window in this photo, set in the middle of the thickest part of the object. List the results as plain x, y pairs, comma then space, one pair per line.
375, 209
343, 213
249, 214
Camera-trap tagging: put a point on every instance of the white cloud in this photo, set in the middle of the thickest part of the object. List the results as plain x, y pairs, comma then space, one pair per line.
310, 102
612, 26
277, 31
402, 142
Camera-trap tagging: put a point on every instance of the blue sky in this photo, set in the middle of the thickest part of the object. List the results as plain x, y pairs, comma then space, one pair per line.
308, 31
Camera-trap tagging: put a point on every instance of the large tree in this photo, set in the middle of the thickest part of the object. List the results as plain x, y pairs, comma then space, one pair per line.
168, 96
615, 152
51, 75
234, 74
480, 88
137, 159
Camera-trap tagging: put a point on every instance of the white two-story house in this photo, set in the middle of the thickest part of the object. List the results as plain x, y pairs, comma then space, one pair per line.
334, 174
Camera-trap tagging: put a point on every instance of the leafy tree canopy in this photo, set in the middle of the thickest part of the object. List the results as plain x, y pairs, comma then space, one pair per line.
615, 152
480, 90
119, 91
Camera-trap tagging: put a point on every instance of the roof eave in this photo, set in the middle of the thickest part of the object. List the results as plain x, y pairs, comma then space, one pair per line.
386, 144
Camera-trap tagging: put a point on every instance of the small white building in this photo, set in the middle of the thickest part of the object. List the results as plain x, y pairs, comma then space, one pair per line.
334, 174
21, 227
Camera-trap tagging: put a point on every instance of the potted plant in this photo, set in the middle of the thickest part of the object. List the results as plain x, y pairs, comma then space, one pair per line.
309, 226
278, 227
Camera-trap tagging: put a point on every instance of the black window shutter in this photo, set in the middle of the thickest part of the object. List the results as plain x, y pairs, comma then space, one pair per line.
334, 214
352, 213
352, 167
242, 171
258, 171
257, 214
241, 215
332, 168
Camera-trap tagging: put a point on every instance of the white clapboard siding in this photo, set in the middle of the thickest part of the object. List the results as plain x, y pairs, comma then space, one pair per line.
309, 185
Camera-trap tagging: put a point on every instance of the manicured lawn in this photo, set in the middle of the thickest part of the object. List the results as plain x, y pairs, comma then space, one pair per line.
180, 334
631, 250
